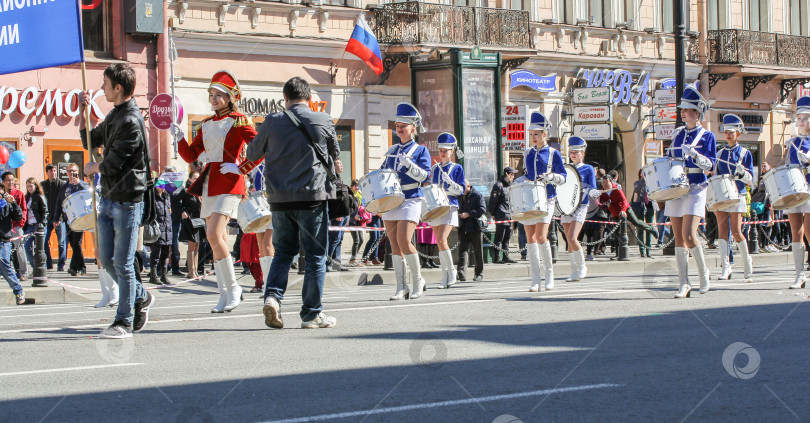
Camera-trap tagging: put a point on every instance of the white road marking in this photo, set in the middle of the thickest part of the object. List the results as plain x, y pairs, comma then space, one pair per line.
428, 405
68, 369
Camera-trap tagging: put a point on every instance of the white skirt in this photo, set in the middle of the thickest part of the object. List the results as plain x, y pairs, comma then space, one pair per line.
450, 218
578, 216
801, 208
226, 204
550, 206
740, 207
411, 210
693, 203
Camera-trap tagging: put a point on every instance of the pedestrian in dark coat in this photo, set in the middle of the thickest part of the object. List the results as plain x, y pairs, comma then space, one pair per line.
499, 209
470, 208
161, 248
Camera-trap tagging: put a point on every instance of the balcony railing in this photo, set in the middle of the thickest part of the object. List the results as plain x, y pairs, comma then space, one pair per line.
737, 46
416, 22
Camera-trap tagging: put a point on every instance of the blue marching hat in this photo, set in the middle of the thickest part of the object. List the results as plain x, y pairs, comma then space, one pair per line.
576, 144
407, 113
447, 141
691, 99
803, 105
732, 123
539, 122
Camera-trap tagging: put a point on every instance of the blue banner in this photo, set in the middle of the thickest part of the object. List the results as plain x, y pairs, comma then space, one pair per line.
36, 34
533, 81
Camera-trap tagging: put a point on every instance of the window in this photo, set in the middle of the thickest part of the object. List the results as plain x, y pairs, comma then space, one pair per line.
626, 13
758, 15
95, 25
593, 11
718, 14
470, 3
564, 11
797, 12
345, 134
516, 4
664, 16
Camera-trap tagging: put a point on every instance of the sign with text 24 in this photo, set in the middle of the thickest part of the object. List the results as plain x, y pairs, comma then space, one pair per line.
593, 114
514, 127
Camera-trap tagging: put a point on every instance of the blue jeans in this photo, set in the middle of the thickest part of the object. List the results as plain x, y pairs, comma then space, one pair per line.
660, 217
29, 243
175, 254
61, 240
313, 225
373, 236
336, 238
7, 269
118, 224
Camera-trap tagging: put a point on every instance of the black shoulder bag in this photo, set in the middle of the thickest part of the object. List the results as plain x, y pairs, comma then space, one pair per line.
149, 207
342, 204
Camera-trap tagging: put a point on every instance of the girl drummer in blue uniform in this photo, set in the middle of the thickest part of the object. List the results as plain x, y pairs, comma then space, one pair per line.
697, 146
737, 161
411, 161
450, 177
573, 223
799, 216
541, 163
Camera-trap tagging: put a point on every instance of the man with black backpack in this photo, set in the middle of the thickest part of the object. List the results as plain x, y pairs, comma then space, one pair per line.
299, 147
124, 174
344, 206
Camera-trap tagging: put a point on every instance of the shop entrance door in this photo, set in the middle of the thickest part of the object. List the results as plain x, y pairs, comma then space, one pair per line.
608, 155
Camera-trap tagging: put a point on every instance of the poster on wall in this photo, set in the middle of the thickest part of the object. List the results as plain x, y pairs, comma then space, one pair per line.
480, 128
434, 99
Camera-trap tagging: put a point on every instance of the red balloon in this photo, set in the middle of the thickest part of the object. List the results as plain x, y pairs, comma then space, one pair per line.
3, 155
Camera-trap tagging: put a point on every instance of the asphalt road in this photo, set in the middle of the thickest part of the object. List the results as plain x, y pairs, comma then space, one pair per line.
615, 347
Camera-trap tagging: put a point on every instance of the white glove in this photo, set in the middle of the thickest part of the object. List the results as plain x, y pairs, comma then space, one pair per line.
454, 188
405, 162
595, 193
743, 175
229, 168
690, 151
552, 178
447, 179
417, 173
804, 157
178, 132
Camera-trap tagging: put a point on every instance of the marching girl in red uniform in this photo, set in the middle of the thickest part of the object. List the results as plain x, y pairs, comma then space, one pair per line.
221, 185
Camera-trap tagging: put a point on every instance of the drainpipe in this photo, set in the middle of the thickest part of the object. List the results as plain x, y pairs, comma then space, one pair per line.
161, 153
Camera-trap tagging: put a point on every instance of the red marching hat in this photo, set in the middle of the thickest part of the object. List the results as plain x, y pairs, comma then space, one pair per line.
227, 83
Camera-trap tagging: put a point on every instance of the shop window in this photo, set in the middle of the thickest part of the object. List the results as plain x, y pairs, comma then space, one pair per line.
345, 135
11, 145
95, 24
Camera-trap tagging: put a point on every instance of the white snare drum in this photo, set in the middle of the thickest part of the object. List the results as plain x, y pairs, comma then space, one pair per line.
253, 213
79, 210
722, 193
435, 204
527, 200
569, 194
786, 186
382, 191
666, 179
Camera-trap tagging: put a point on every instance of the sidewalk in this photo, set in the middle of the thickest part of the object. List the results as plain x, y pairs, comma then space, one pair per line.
64, 288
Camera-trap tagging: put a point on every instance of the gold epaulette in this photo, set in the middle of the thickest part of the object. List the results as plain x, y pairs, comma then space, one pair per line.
242, 120
198, 126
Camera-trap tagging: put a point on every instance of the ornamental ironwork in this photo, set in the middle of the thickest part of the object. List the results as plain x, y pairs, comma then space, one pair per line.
741, 47
428, 23
751, 82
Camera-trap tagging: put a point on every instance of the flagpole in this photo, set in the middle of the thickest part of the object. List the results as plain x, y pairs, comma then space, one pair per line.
93, 159
171, 75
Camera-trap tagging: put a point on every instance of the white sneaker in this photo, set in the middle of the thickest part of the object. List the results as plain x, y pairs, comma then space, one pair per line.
272, 315
320, 322
589, 258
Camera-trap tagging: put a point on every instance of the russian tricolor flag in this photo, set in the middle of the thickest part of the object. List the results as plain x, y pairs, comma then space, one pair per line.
363, 44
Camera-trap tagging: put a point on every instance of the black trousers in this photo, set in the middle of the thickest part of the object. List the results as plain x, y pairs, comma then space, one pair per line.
77, 258
503, 231
467, 239
158, 255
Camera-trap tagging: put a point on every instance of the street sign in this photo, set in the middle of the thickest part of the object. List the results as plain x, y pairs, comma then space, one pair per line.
593, 114
514, 127
664, 131
665, 114
594, 132
652, 148
161, 110
665, 96
596, 95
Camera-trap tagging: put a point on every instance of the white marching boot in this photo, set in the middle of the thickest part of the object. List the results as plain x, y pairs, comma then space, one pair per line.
234, 291
797, 248
748, 265
105, 291
265, 263
725, 271
399, 274
448, 270
682, 261
703, 271
533, 254
548, 264
416, 275
578, 268
223, 293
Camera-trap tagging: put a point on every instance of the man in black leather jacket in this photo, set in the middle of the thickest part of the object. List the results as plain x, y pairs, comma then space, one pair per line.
470, 208
122, 135
499, 209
